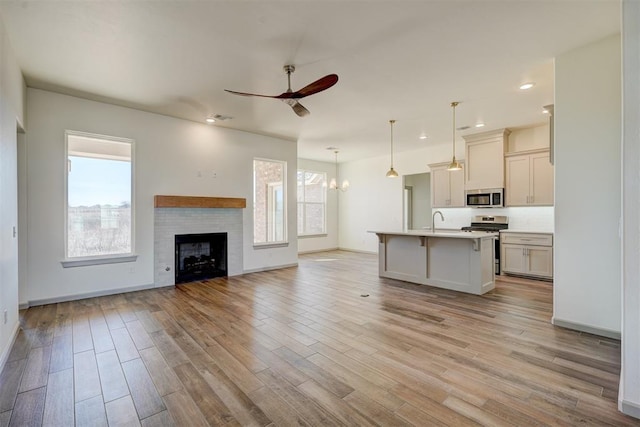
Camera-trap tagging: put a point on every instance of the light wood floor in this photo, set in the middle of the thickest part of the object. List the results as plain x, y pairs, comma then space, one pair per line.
327, 343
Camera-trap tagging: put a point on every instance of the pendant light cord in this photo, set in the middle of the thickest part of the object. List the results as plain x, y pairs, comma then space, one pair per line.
453, 132
392, 122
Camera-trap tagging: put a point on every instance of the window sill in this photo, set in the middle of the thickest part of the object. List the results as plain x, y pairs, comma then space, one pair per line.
311, 236
270, 245
87, 261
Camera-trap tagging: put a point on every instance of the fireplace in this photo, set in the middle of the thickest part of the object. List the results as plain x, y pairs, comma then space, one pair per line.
200, 256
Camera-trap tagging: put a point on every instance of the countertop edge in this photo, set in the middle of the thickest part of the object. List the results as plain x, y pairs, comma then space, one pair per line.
447, 234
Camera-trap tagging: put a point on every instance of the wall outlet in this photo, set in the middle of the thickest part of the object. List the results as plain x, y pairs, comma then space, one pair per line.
5, 317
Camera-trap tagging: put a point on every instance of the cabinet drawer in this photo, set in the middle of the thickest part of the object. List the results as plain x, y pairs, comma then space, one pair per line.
527, 239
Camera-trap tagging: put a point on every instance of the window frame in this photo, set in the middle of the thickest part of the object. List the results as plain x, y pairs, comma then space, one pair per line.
268, 213
96, 259
304, 203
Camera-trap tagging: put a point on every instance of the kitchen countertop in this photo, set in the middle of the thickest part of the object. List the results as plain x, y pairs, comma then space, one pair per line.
455, 234
526, 231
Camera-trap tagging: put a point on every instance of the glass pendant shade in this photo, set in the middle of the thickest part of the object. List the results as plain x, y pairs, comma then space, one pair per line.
454, 165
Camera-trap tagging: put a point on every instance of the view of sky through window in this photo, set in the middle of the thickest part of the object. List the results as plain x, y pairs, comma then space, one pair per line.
99, 182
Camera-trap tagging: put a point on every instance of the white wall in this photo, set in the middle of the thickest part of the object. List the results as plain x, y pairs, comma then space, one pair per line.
420, 199
587, 187
330, 240
169, 153
374, 202
629, 396
12, 94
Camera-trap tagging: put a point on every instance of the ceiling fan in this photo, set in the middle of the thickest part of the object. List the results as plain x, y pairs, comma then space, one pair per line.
290, 97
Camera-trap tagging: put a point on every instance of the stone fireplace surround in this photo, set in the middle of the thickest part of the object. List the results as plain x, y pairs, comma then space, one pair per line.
174, 215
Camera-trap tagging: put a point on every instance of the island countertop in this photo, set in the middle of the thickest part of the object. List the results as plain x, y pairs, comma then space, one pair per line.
455, 234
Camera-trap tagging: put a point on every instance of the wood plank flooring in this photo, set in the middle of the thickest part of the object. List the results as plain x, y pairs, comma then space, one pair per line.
326, 343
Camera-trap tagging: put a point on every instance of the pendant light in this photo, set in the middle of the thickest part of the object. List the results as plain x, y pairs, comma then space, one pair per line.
392, 173
454, 165
333, 184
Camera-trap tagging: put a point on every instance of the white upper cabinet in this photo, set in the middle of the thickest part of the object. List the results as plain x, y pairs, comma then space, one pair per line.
529, 179
447, 187
484, 158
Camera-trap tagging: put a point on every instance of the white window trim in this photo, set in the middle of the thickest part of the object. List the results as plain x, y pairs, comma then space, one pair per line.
325, 232
285, 241
97, 259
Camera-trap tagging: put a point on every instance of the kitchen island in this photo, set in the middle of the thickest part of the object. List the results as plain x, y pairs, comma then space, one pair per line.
457, 260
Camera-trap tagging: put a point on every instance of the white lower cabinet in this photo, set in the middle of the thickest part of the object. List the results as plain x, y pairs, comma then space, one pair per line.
527, 254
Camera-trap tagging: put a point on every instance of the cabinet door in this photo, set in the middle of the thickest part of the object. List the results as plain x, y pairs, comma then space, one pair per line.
440, 197
512, 259
517, 171
484, 165
539, 261
456, 189
541, 180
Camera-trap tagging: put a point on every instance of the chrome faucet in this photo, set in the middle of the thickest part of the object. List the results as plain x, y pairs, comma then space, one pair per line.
433, 220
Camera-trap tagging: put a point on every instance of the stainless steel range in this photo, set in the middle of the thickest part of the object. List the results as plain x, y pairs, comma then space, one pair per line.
490, 224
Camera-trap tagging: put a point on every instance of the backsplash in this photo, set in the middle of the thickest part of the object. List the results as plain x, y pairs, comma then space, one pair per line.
520, 218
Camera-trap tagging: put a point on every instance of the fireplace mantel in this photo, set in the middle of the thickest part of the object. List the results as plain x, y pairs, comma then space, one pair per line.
198, 202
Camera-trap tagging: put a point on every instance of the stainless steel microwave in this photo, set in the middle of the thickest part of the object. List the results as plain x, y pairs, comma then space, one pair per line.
490, 198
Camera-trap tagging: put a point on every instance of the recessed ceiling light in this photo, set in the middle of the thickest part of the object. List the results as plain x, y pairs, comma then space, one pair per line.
545, 111
526, 86
210, 120
423, 137
479, 125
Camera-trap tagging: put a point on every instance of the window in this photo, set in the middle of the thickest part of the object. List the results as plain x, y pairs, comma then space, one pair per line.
312, 202
269, 202
99, 202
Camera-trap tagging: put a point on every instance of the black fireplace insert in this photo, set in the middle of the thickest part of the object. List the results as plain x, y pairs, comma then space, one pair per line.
200, 256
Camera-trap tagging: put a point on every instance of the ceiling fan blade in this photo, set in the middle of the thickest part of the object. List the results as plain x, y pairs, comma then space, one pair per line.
251, 94
300, 110
318, 86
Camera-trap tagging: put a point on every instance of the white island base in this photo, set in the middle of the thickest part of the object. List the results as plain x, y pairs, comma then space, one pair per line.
459, 261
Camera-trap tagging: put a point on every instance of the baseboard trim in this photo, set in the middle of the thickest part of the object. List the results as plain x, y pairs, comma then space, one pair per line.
65, 298
629, 408
358, 251
315, 251
277, 267
586, 328
7, 351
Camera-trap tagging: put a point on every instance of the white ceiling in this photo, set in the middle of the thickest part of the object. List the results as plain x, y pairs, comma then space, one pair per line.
402, 60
